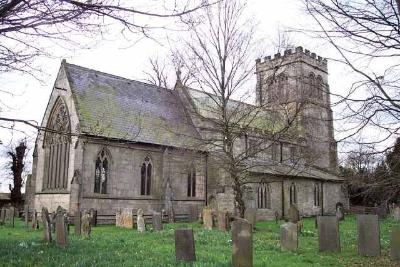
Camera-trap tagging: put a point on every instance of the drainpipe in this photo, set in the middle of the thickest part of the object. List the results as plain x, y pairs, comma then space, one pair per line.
283, 200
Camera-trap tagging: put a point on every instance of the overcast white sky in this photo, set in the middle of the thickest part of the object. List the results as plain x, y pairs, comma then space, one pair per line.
121, 58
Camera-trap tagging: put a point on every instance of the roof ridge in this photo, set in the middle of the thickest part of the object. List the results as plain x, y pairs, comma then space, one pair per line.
230, 99
117, 77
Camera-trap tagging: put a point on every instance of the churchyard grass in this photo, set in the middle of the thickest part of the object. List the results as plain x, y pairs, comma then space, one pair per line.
111, 246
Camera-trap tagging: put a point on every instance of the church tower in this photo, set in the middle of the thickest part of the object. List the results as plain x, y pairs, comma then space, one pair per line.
300, 79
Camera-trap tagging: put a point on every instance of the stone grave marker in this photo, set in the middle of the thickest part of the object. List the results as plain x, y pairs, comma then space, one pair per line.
53, 221
382, 210
242, 243
93, 214
289, 236
86, 224
141, 225
328, 234
207, 218
193, 213
46, 225
157, 222
395, 243
124, 218
396, 213
368, 235
78, 222
223, 220
35, 221
184, 245
3, 216
61, 229
339, 211
293, 214
10, 212
250, 216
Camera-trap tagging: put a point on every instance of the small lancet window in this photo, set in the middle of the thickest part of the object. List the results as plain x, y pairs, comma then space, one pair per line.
292, 194
145, 174
316, 195
101, 173
319, 87
191, 182
263, 196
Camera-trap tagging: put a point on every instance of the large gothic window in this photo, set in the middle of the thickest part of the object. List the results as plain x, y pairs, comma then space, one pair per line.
145, 185
101, 173
191, 182
292, 194
263, 196
316, 195
56, 145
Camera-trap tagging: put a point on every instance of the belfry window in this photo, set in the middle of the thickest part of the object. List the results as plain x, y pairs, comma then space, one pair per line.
145, 174
101, 173
191, 182
263, 196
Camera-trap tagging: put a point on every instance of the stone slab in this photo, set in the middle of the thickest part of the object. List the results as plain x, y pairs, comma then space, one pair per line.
223, 221
395, 243
124, 218
242, 243
184, 245
61, 229
368, 235
78, 222
157, 222
289, 236
250, 216
207, 218
328, 234
46, 225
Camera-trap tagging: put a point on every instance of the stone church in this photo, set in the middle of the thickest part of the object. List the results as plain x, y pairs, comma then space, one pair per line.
113, 143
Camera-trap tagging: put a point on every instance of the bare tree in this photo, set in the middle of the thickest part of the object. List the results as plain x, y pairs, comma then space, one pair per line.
366, 36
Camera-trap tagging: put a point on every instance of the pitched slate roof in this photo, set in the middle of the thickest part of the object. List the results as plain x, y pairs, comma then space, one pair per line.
115, 107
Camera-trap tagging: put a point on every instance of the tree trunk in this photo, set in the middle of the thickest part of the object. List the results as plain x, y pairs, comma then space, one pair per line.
17, 168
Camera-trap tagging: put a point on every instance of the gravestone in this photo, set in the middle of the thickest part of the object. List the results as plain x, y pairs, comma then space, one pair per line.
289, 236
368, 235
124, 218
93, 215
10, 213
328, 234
395, 243
46, 225
61, 229
86, 224
223, 220
35, 221
382, 210
293, 214
78, 222
184, 245
250, 216
193, 213
339, 211
242, 243
157, 222
53, 221
3, 216
396, 213
207, 218
141, 226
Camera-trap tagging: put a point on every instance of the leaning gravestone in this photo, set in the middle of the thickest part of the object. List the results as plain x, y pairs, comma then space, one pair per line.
339, 211
157, 222
86, 224
242, 243
328, 234
78, 222
207, 218
46, 225
293, 214
289, 236
396, 213
193, 213
250, 216
124, 218
61, 229
368, 235
395, 243
141, 226
223, 220
184, 245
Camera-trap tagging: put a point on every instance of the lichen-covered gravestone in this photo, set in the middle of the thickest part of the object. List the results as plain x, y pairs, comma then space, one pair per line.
223, 220
157, 222
250, 216
141, 226
328, 234
184, 245
61, 228
395, 243
46, 225
86, 224
293, 214
368, 235
242, 243
207, 218
289, 236
78, 222
124, 218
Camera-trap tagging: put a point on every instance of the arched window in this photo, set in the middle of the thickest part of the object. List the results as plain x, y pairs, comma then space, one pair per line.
56, 145
101, 174
316, 195
191, 182
292, 194
319, 87
263, 196
145, 185
311, 85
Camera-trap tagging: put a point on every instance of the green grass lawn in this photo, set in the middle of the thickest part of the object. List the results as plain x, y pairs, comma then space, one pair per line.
111, 246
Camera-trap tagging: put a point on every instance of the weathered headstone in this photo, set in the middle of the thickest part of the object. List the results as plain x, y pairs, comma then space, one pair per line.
328, 234
207, 218
53, 221
93, 214
395, 243
193, 213
242, 243
61, 229
184, 245
293, 214
86, 224
382, 210
396, 213
35, 221
157, 222
339, 211
223, 220
368, 235
289, 236
250, 216
10, 212
46, 225
124, 218
78, 222
141, 226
